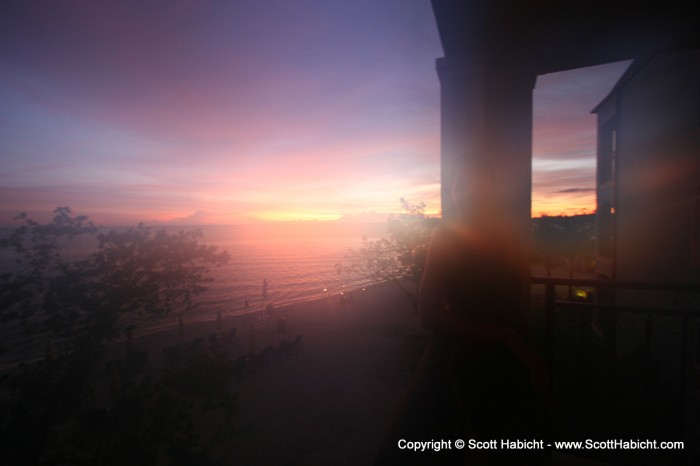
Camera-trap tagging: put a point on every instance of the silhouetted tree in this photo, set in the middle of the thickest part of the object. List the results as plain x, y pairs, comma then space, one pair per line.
400, 256
564, 240
81, 300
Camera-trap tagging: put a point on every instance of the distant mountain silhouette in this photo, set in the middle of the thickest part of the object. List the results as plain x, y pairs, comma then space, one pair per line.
577, 222
197, 218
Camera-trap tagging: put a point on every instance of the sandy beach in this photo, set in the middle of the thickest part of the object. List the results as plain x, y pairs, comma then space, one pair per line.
331, 402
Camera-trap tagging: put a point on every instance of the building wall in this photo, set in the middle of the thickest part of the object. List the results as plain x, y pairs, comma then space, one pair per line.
654, 112
606, 186
657, 170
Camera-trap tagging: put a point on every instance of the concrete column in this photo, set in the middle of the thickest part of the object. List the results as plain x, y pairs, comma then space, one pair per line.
488, 110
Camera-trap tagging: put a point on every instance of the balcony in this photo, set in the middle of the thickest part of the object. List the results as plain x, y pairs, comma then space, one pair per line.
625, 364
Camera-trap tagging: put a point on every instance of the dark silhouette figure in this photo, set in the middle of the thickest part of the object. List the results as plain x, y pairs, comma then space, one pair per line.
479, 379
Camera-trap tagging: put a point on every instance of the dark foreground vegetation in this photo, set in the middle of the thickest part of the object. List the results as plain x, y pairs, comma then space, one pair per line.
68, 408
557, 241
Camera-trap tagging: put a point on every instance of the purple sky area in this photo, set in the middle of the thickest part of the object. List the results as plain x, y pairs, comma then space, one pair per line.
225, 111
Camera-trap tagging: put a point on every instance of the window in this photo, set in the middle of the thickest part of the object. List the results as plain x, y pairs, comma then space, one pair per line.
607, 151
605, 230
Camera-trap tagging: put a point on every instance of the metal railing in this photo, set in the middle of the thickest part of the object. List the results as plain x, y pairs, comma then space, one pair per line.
619, 356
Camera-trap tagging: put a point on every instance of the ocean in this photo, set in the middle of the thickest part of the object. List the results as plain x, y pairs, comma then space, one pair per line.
300, 261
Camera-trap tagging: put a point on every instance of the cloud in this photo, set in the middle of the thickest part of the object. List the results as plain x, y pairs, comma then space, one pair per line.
219, 106
576, 190
156, 110
197, 218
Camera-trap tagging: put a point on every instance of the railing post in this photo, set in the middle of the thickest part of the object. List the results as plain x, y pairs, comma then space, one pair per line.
684, 368
607, 416
549, 325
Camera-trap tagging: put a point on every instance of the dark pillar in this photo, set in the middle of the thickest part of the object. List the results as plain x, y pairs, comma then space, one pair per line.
486, 110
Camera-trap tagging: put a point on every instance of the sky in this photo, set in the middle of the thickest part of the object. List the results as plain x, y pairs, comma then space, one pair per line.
564, 138
236, 111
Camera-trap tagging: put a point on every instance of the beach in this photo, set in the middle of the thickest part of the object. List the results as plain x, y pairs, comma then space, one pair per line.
331, 401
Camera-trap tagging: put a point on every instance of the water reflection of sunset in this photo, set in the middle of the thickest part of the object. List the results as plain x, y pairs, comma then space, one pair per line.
295, 216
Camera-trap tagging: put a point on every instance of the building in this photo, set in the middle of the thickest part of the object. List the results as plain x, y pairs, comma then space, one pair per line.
648, 175
648, 201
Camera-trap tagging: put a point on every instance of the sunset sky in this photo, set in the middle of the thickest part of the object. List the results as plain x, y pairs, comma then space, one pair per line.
227, 111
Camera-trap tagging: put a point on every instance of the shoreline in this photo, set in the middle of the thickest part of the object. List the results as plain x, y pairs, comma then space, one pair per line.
208, 312
332, 402
329, 403
204, 326
167, 327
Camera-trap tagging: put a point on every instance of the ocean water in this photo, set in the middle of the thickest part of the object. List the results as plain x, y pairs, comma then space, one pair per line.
300, 262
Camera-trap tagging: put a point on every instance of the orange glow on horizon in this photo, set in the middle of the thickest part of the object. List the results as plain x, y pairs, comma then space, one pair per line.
563, 206
176, 149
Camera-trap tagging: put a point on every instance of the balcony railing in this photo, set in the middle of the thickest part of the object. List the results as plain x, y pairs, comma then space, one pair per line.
624, 362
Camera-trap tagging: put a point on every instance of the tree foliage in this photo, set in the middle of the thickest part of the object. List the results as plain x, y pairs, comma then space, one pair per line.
400, 256
564, 241
134, 272
80, 288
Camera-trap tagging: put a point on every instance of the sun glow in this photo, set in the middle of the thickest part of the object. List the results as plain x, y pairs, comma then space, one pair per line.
287, 216
563, 205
